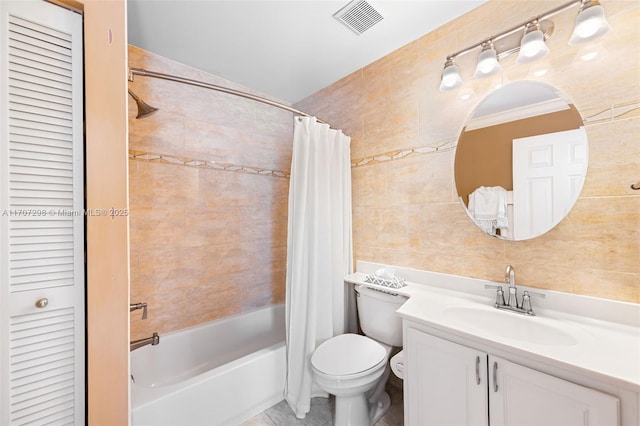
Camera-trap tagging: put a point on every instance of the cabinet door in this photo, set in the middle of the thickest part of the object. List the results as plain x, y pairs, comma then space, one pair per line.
445, 383
522, 396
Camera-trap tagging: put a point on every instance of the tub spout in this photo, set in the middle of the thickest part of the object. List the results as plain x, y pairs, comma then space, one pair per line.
153, 340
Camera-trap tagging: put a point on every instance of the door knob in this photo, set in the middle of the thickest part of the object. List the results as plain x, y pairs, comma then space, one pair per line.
42, 303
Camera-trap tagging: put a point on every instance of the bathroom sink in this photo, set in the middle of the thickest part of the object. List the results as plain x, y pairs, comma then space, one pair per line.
541, 331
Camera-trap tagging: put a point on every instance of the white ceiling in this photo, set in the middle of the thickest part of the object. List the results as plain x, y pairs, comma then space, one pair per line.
286, 49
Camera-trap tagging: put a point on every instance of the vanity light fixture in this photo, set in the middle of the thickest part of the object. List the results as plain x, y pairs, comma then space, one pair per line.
590, 25
532, 46
487, 61
450, 78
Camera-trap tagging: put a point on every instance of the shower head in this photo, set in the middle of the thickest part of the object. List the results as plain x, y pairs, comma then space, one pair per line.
143, 109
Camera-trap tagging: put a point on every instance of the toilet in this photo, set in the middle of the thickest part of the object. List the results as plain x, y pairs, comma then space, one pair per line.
355, 368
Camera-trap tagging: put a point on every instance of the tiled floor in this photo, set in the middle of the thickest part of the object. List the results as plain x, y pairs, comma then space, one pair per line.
321, 413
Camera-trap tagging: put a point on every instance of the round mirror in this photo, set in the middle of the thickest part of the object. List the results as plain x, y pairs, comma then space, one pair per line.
521, 160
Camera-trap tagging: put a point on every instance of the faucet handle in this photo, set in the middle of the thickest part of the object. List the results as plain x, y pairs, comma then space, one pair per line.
499, 294
526, 301
136, 306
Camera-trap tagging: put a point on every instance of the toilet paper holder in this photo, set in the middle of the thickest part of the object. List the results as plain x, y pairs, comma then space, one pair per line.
397, 364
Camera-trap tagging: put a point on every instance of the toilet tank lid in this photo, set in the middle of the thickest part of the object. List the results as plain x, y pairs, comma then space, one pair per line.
348, 354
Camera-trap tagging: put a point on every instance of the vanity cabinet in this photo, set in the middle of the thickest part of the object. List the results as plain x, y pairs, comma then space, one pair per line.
447, 383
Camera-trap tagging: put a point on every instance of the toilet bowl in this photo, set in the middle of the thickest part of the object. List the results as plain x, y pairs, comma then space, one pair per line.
355, 368
350, 366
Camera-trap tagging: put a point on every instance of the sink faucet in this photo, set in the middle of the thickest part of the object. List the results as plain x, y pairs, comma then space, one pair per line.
511, 304
510, 278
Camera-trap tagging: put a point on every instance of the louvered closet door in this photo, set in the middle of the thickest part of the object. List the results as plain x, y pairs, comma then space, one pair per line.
41, 216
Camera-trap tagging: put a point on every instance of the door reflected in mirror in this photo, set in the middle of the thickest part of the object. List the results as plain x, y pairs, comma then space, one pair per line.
521, 160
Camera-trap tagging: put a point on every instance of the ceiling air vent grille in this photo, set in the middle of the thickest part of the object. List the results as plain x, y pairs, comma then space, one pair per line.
359, 16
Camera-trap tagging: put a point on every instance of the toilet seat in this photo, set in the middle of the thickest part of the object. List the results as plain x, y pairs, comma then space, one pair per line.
348, 356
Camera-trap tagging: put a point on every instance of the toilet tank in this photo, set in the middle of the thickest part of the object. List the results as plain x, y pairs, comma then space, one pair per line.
377, 314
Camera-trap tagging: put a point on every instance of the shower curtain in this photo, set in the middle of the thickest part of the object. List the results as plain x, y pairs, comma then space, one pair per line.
319, 251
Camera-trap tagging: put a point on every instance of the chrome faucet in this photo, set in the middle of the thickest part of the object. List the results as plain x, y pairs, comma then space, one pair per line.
153, 340
510, 278
511, 304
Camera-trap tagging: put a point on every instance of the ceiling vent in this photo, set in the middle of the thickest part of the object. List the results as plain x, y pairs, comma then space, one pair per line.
359, 16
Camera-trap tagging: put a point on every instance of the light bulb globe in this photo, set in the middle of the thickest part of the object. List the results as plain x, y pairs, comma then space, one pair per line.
450, 77
590, 25
532, 47
487, 63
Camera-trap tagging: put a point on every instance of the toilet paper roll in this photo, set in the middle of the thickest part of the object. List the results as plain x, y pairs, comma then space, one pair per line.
397, 364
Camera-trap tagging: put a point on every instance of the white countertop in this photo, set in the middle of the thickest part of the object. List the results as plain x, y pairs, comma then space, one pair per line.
604, 350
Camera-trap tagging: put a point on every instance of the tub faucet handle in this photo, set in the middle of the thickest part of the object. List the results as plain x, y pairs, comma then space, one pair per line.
153, 340
136, 306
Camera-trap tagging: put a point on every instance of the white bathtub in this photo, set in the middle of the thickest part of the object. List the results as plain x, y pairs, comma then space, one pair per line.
220, 373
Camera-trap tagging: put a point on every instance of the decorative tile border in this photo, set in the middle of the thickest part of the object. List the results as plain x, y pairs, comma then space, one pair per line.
203, 164
591, 116
614, 112
447, 145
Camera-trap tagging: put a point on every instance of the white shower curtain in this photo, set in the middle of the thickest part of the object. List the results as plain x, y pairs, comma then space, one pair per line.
319, 251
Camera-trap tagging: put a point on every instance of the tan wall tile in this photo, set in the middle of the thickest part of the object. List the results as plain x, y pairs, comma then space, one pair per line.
219, 189
420, 179
614, 155
405, 211
393, 124
607, 284
163, 185
243, 146
205, 244
369, 185
599, 233
160, 132
438, 224
151, 227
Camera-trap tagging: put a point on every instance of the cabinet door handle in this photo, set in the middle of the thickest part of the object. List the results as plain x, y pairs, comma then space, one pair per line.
478, 370
495, 376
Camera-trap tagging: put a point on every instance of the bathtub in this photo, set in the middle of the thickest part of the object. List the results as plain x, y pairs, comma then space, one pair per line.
220, 373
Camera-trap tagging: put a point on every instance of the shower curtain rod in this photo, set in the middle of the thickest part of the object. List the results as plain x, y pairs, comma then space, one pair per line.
169, 77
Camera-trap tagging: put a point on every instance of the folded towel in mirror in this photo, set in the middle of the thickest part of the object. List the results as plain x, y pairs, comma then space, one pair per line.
488, 206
